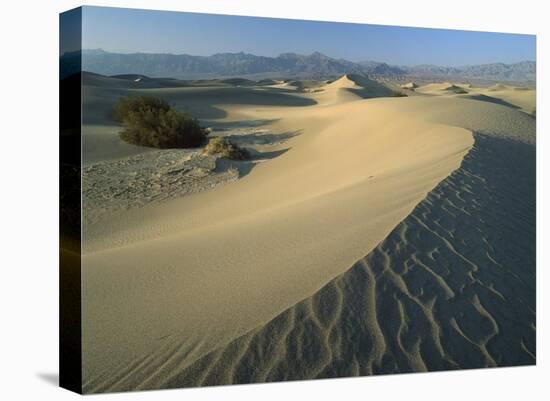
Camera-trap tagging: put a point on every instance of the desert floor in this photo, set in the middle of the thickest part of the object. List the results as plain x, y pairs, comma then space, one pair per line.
367, 235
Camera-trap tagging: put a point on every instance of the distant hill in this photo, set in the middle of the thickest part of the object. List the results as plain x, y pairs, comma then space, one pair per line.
315, 65
286, 65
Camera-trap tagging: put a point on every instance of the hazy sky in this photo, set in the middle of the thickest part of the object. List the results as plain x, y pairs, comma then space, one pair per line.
128, 31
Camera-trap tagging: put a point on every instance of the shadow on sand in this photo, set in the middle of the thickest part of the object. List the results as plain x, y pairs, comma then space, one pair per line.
490, 99
228, 125
262, 138
245, 167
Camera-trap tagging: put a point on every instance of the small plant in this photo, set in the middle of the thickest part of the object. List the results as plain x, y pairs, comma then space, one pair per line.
398, 94
151, 121
223, 147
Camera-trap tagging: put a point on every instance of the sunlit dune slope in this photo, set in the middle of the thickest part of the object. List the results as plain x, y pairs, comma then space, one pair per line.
174, 281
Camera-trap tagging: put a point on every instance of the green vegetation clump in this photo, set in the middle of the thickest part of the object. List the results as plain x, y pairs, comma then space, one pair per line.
151, 121
222, 147
534, 112
398, 94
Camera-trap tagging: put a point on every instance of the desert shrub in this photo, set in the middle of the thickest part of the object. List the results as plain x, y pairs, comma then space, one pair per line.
398, 94
223, 147
136, 104
151, 121
534, 112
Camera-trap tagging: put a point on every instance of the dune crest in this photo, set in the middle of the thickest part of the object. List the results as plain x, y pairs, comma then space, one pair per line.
343, 82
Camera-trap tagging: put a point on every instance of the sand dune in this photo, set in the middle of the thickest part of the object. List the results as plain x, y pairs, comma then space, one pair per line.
339, 90
444, 88
100, 134
351, 87
507, 95
272, 277
523, 98
440, 292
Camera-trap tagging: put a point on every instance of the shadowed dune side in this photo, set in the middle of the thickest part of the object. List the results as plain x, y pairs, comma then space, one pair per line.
485, 98
453, 286
101, 141
524, 98
100, 134
369, 88
210, 103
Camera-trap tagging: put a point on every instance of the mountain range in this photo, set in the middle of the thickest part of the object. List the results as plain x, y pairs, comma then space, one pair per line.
314, 66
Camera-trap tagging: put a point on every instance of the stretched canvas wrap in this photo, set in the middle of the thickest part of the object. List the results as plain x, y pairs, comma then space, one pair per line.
250, 200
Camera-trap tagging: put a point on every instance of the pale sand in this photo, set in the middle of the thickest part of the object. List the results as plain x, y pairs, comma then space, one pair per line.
453, 285
507, 95
167, 286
